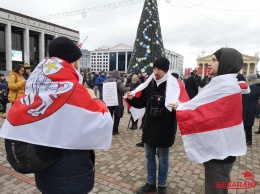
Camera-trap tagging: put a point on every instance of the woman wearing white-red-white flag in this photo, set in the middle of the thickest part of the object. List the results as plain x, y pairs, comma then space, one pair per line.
211, 123
58, 111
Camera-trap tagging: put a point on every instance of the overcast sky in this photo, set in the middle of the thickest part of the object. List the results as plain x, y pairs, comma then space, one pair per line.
189, 27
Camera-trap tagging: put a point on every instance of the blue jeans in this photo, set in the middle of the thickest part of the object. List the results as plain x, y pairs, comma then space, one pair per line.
163, 155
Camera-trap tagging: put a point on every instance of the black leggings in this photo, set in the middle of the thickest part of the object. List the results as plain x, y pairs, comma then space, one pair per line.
248, 130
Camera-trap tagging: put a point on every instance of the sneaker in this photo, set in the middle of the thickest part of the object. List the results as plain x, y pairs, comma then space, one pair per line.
147, 188
140, 144
162, 190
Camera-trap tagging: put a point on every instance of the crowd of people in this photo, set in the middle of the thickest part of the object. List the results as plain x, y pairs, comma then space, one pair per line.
149, 93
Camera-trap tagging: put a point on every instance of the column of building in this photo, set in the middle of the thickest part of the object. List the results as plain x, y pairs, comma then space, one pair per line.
126, 61
248, 69
8, 44
26, 45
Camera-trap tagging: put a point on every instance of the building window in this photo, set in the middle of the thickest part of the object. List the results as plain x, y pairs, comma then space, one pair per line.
34, 48
121, 61
112, 61
2, 49
128, 57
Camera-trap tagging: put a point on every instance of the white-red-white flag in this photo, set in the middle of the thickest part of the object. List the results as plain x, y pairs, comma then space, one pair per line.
57, 111
175, 92
81, 44
211, 123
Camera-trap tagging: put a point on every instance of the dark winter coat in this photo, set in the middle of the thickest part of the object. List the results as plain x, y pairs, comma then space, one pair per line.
89, 82
72, 174
191, 86
198, 78
4, 87
254, 95
157, 131
94, 78
99, 82
115, 77
133, 85
26, 76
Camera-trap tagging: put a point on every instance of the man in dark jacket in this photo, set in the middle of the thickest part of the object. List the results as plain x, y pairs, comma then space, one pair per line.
254, 96
197, 77
159, 127
93, 80
27, 72
114, 110
191, 86
99, 82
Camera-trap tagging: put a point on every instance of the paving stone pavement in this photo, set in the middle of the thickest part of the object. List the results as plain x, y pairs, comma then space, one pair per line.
121, 169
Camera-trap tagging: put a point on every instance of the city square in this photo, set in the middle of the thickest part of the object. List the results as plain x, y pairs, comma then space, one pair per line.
121, 169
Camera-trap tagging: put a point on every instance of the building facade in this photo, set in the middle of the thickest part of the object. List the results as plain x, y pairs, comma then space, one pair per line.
85, 61
176, 61
25, 39
118, 57
250, 64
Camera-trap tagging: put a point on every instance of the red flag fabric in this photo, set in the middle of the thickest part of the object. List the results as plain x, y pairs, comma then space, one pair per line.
57, 111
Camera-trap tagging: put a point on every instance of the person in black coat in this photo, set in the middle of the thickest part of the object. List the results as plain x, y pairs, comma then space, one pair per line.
159, 126
191, 86
3, 95
254, 95
134, 84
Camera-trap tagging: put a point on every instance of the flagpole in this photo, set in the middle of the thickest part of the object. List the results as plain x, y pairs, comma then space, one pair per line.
81, 44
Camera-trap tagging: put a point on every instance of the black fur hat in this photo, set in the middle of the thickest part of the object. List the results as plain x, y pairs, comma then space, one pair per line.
64, 48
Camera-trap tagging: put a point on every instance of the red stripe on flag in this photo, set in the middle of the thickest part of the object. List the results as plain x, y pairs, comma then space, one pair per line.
183, 93
81, 98
223, 113
138, 94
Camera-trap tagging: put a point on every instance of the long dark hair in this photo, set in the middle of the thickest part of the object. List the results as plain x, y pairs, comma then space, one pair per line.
18, 68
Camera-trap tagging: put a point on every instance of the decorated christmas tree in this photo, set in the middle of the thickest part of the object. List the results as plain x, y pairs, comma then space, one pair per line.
148, 44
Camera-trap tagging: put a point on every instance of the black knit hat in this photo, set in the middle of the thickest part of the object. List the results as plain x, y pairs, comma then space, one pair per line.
162, 63
1, 74
64, 48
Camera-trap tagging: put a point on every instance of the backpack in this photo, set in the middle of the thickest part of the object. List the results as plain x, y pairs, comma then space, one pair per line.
29, 158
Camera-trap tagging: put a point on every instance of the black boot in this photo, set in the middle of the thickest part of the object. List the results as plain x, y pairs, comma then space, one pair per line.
140, 144
131, 126
132, 121
134, 125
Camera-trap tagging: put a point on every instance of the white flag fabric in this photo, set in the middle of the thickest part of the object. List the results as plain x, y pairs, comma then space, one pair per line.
211, 123
57, 111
